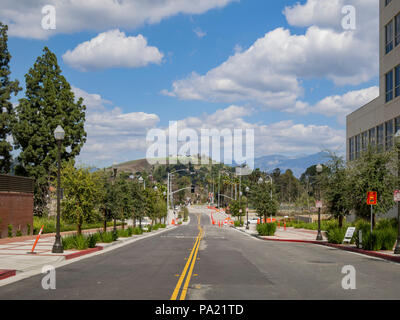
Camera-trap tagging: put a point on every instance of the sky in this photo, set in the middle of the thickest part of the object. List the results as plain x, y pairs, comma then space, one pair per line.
289, 70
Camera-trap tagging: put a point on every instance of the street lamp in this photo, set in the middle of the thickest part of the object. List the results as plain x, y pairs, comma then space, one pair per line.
319, 235
59, 135
115, 170
247, 208
397, 142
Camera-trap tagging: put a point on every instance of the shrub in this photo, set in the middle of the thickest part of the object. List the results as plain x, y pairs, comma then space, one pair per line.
92, 240
137, 231
114, 236
18, 233
238, 224
106, 237
163, 225
266, 229
10, 231
387, 237
28, 229
156, 227
149, 228
336, 235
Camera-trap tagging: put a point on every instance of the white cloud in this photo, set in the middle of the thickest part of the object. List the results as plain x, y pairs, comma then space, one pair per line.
112, 49
24, 16
111, 133
337, 105
271, 71
200, 33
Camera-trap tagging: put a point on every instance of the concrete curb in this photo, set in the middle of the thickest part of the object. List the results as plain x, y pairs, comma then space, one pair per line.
4, 274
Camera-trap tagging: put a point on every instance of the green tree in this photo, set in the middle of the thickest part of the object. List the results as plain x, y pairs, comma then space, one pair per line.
7, 114
373, 171
238, 208
105, 200
81, 193
49, 102
336, 187
262, 202
124, 200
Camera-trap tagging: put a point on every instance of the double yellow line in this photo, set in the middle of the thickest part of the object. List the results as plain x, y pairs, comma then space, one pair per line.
189, 266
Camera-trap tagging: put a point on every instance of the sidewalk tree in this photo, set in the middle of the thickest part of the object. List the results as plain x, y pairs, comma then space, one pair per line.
124, 201
262, 202
373, 171
105, 200
49, 102
336, 187
238, 208
81, 193
7, 113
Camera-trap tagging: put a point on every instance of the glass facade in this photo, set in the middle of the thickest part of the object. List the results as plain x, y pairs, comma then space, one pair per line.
397, 81
389, 36
364, 141
397, 30
389, 135
351, 149
389, 86
380, 135
372, 137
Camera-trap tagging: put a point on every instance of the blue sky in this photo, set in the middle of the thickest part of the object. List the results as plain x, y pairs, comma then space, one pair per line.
305, 120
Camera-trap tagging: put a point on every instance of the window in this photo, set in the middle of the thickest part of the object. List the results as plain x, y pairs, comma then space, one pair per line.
389, 134
358, 146
351, 149
389, 86
387, 2
397, 81
397, 30
380, 137
364, 141
397, 124
389, 37
372, 137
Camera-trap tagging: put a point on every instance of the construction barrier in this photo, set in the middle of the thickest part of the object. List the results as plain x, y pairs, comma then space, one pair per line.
37, 239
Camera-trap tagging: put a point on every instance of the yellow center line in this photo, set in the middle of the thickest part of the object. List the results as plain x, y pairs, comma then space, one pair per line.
184, 290
188, 263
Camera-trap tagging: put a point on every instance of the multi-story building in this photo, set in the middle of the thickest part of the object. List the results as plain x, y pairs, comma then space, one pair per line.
378, 121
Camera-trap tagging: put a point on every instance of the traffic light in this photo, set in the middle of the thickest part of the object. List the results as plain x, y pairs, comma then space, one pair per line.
193, 188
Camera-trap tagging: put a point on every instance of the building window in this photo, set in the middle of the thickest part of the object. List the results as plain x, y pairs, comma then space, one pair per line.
358, 146
364, 141
380, 137
387, 2
397, 81
372, 137
389, 37
396, 124
389, 86
389, 134
351, 149
397, 30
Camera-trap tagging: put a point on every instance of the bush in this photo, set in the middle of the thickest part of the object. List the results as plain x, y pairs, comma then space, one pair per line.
336, 235
266, 229
238, 224
163, 225
137, 231
28, 229
387, 237
156, 227
106, 237
18, 233
124, 233
79, 242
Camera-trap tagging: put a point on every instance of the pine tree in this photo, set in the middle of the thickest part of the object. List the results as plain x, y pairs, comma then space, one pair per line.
49, 102
7, 114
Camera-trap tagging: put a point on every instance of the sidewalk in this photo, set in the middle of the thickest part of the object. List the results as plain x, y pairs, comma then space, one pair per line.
309, 236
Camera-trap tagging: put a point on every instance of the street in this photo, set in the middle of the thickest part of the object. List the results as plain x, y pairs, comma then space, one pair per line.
203, 262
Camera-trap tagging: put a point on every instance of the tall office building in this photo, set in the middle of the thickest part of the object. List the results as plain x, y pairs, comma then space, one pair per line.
378, 121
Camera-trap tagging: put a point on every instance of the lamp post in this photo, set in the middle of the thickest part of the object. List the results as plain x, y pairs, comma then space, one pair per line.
397, 142
115, 170
59, 134
247, 208
319, 235
261, 180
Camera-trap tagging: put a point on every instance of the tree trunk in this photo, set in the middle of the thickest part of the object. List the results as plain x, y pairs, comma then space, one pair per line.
105, 225
79, 229
340, 221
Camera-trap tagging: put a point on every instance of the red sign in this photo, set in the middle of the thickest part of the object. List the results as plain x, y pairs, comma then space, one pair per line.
318, 204
397, 196
372, 198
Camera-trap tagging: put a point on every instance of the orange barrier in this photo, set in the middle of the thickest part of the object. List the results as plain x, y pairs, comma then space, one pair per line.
285, 225
37, 239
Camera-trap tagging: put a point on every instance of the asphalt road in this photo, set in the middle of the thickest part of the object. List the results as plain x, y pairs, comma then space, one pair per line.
201, 261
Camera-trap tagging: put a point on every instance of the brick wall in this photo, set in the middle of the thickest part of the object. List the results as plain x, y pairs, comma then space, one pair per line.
15, 209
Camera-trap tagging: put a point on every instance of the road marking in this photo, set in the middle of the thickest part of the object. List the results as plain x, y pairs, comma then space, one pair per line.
189, 266
185, 287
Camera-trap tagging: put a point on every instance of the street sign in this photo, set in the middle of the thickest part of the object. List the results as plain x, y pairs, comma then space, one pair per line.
397, 196
318, 204
372, 198
349, 234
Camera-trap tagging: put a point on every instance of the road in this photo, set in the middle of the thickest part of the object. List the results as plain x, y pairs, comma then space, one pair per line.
200, 261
